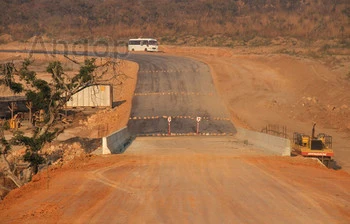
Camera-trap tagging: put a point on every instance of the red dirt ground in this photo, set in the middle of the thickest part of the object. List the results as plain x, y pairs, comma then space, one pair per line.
184, 181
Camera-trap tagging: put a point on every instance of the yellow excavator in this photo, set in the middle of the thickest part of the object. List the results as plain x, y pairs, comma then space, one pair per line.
15, 122
319, 146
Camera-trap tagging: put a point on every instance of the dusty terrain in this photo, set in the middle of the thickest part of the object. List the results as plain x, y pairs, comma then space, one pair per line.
190, 183
101, 123
183, 180
261, 87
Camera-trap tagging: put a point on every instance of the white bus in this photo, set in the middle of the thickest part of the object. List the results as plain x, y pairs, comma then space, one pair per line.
143, 44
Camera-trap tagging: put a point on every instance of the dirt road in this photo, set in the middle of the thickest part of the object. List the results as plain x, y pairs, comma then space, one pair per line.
180, 88
184, 180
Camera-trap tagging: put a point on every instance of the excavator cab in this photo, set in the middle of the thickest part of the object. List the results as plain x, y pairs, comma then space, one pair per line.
317, 144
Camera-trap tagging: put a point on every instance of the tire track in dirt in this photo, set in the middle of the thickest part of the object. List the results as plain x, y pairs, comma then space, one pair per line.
97, 175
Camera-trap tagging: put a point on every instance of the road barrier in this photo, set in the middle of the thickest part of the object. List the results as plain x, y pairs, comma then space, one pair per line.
116, 142
273, 144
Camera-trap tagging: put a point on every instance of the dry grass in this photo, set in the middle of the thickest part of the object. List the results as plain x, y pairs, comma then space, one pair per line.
238, 20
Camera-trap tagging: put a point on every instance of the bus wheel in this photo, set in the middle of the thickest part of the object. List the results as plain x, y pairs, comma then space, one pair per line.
133, 49
145, 49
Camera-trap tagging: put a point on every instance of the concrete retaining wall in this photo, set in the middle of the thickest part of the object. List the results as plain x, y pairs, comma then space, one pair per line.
92, 96
116, 142
273, 144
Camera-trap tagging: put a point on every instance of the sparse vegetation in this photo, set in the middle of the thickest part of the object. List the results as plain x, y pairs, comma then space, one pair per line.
173, 21
313, 54
286, 51
348, 75
325, 48
48, 97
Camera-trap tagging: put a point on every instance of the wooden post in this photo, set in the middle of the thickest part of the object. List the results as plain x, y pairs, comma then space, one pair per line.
29, 105
12, 108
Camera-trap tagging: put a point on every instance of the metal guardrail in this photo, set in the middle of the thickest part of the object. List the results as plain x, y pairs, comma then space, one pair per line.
276, 130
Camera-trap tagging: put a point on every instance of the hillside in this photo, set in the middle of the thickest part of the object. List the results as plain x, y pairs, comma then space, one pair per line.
192, 22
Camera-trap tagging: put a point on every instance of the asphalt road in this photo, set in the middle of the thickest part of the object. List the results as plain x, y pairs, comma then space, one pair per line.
180, 88
169, 86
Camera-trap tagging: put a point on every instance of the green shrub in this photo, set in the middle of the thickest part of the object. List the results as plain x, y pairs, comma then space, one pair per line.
81, 41
101, 41
6, 125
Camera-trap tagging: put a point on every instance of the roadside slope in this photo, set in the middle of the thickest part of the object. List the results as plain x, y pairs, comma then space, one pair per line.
261, 87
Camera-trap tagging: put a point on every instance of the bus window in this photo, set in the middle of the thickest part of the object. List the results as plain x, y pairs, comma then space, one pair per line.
152, 42
144, 42
134, 42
